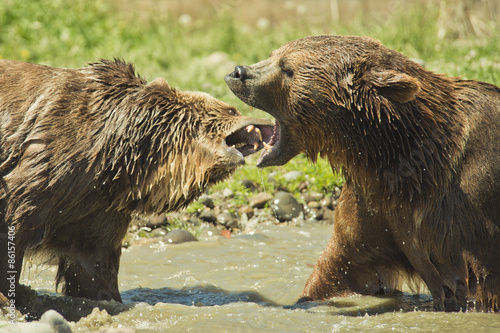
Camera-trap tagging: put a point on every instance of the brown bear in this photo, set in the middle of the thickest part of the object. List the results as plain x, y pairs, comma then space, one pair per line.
82, 149
420, 153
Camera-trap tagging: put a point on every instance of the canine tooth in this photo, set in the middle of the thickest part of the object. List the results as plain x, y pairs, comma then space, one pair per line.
250, 128
267, 146
259, 132
256, 145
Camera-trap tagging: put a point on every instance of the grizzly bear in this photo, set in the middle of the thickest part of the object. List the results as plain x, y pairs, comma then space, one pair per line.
420, 153
83, 149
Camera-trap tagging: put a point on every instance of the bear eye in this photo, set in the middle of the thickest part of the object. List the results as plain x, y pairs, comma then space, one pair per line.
286, 69
232, 112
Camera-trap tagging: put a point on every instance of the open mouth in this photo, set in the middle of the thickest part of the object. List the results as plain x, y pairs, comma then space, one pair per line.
250, 138
272, 147
254, 137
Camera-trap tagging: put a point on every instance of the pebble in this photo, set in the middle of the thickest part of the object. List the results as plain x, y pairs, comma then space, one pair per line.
292, 175
179, 236
246, 210
328, 215
227, 220
158, 232
208, 215
260, 200
227, 193
285, 207
152, 221
314, 205
206, 201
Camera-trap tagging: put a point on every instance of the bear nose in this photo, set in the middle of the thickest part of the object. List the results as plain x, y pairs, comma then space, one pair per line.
240, 72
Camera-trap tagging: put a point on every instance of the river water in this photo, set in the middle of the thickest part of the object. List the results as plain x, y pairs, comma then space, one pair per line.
247, 283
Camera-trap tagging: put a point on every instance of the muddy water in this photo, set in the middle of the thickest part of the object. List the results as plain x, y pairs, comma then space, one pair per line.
248, 283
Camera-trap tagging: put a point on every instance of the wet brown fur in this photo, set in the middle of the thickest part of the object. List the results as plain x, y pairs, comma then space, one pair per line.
421, 157
82, 149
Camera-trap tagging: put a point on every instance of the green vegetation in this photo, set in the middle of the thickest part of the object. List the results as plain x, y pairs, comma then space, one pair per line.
65, 33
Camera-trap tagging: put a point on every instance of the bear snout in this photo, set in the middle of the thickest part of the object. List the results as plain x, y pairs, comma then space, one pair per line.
239, 73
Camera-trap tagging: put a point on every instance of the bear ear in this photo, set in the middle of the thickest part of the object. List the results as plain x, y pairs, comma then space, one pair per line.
393, 85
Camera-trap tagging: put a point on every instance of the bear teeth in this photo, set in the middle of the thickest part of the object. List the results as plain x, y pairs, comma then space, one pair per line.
251, 128
267, 146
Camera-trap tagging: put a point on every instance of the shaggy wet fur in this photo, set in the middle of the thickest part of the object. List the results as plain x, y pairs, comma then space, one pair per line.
82, 149
421, 157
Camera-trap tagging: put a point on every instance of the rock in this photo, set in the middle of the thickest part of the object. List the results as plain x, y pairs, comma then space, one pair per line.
206, 201
208, 215
316, 196
158, 232
250, 184
227, 193
246, 210
194, 220
152, 221
314, 205
260, 200
328, 203
328, 215
292, 175
179, 236
227, 220
285, 207
156, 220
303, 186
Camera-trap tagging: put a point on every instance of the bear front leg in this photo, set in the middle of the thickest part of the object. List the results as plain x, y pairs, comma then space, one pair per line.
94, 276
361, 257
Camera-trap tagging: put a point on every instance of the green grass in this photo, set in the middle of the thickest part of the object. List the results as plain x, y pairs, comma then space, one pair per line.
65, 33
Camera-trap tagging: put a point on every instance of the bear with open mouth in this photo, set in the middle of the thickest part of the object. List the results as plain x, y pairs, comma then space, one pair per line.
420, 154
83, 149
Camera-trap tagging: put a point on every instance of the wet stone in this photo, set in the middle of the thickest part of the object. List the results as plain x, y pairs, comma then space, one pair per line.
195, 220
328, 203
285, 207
158, 232
206, 201
316, 196
152, 221
227, 220
208, 215
179, 236
260, 200
246, 210
314, 205
328, 215
337, 191
318, 214
303, 186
